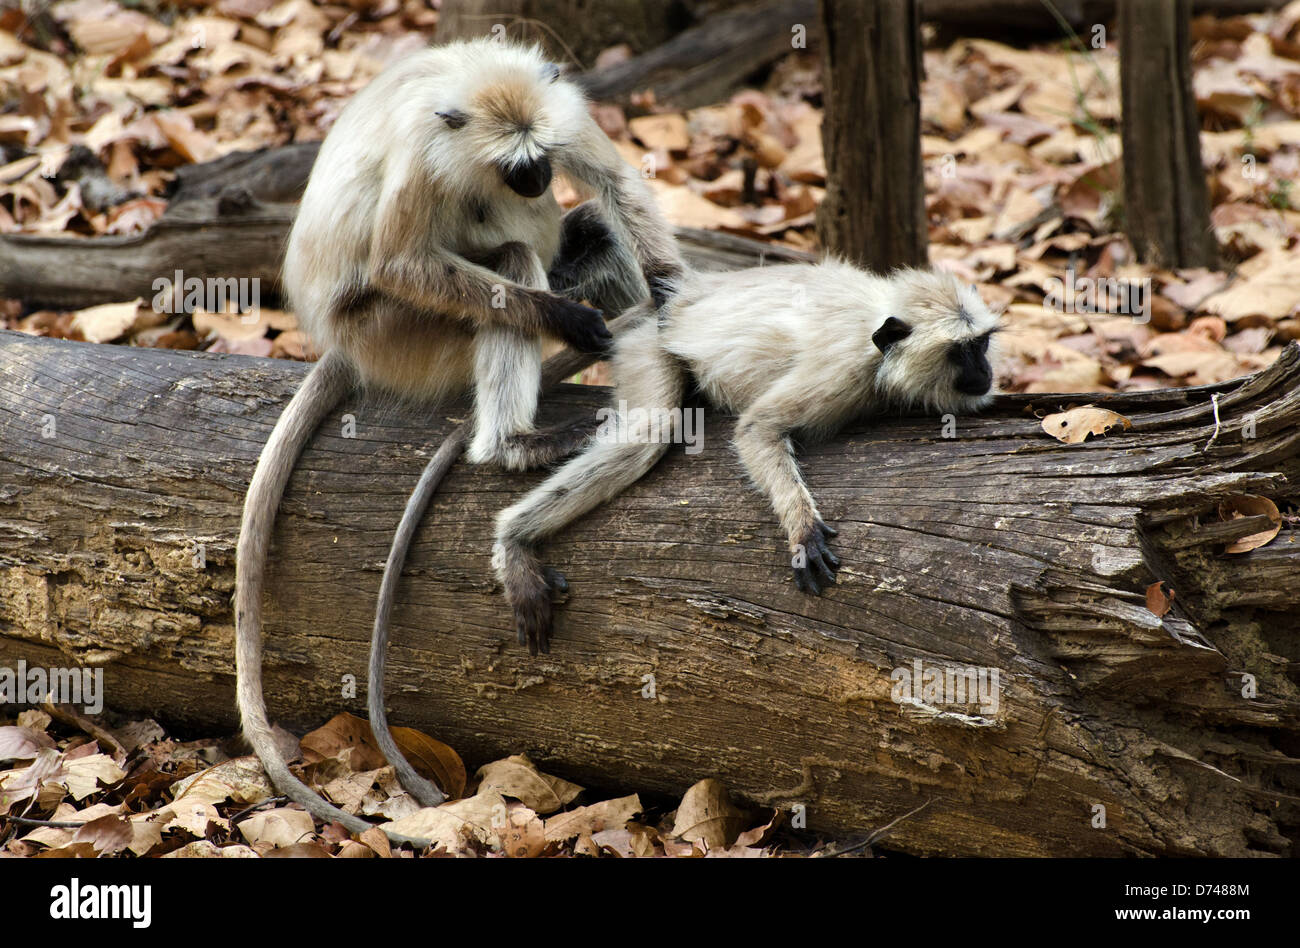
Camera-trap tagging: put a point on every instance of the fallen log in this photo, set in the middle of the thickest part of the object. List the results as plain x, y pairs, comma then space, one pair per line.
684, 650
233, 235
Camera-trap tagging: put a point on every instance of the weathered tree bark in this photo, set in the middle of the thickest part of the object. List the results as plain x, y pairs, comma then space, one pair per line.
706, 63
581, 28
874, 209
995, 549
1166, 202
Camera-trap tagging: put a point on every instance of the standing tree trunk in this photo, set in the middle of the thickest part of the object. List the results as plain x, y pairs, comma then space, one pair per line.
1165, 197
874, 210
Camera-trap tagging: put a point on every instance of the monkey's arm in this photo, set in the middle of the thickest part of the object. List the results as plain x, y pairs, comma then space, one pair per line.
594, 162
762, 441
407, 262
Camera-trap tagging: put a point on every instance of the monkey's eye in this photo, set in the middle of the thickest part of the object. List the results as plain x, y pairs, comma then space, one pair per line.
454, 118
551, 72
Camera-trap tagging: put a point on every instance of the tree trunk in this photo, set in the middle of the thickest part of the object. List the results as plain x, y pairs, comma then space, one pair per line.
874, 209
1165, 197
122, 472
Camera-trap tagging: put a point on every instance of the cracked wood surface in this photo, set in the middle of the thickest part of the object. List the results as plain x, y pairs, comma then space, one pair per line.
999, 549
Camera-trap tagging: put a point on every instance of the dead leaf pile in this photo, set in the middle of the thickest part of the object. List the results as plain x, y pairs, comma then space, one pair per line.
156, 797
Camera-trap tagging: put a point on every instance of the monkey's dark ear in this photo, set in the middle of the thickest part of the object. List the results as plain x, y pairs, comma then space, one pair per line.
893, 330
454, 118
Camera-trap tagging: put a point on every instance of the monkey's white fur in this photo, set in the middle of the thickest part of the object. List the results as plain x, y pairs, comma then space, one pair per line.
788, 349
412, 182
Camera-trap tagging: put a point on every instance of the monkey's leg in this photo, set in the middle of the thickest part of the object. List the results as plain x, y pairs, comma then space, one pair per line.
763, 442
507, 383
593, 264
651, 382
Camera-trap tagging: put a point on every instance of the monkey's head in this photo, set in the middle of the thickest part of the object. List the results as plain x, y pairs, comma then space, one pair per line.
507, 113
938, 350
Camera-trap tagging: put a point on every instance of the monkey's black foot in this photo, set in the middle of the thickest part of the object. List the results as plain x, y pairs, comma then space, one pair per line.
814, 564
535, 612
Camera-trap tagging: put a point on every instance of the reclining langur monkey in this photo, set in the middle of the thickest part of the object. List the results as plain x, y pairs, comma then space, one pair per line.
419, 263
790, 349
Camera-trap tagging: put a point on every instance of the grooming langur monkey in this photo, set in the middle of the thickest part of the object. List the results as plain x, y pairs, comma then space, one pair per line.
790, 349
420, 262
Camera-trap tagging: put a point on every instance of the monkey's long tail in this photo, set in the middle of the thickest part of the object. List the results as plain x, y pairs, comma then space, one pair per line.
326, 385
556, 369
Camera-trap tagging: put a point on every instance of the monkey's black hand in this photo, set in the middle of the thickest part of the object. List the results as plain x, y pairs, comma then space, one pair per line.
580, 326
814, 564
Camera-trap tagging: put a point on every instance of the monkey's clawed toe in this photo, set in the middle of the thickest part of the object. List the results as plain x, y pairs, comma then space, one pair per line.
558, 583
819, 564
533, 625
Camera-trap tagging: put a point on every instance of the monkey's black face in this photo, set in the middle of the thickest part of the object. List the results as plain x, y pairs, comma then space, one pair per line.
974, 374
528, 179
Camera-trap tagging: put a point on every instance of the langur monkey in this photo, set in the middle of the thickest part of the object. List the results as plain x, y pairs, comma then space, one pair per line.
801, 348
428, 254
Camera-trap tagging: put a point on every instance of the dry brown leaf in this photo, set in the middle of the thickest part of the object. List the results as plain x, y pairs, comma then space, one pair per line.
1271, 288
451, 825
1159, 601
302, 851
1250, 505
83, 775
205, 849
282, 826
108, 834
609, 814
21, 743
1075, 425
114, 320
519, 778
344, 734
668, 131
192, 815
524, 835
241, 780
433, 760
707, 814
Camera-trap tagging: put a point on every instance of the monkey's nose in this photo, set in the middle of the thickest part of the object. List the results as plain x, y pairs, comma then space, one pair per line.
529, 179
975, 384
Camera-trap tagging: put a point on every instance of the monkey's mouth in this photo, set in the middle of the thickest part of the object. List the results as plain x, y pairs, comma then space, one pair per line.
528, 179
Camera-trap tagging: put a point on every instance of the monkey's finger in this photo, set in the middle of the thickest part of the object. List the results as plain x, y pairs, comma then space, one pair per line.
826, 529
806, 581
827, 575
830, 558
